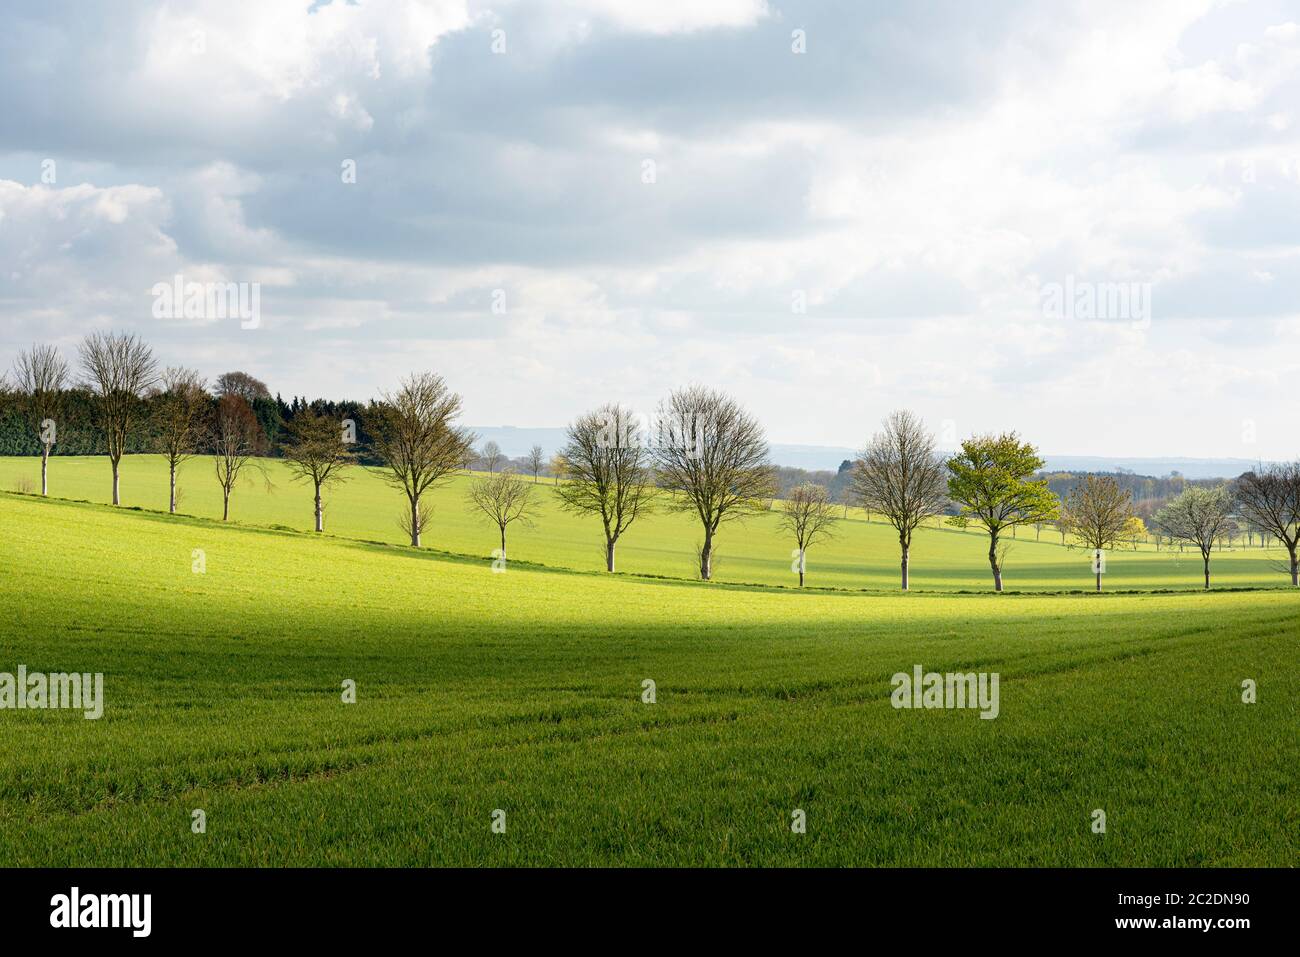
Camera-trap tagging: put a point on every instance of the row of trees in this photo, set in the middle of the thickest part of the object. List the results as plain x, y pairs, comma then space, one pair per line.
709, 459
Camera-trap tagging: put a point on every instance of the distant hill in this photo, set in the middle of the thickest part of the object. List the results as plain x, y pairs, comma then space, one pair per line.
515, 442
1187, 467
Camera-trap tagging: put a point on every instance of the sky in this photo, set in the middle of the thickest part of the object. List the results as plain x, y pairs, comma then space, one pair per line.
1077, 219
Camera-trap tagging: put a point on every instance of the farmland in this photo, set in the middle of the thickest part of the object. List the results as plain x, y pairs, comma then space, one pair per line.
523, 693
864, 554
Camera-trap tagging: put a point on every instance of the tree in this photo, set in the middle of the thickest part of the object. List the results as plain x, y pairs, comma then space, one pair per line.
1098, 513
119, 368
413, 433
316, 453
415, 522
178, 421
235, 438
40, 377
504, 498
536, 461
991, 479
807, 513
713, 455
247, 387
1063, 526
1270, 500
605, 472
491, 455
1135, 530
1197, 517
558, 466
902, 475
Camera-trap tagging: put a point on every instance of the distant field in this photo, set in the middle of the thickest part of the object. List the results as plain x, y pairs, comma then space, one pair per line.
864, 555
522, 692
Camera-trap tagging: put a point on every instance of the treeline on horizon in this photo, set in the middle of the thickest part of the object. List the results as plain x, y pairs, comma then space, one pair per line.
711, 458
78, 435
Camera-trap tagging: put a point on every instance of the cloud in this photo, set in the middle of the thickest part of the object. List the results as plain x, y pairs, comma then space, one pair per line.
666, 192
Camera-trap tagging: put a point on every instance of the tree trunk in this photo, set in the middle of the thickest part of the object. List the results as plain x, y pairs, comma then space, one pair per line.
415, 523
1207, 571
225, 504
1098, 578
117, 498
320, 518
45, 467
609, 554
1295, 568
706, 556
171, 498
993, 563
503, 543
905, 558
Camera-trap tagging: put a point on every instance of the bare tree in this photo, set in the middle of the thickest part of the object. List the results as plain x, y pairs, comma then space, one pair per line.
247, 387
179, 409
504, 498
414, 523
413, 433
1269, 499
807, 513
605, 473
713, 455
491, 455
235, 437
40, 378
1098, 511
536, 461
119, 369
1198, 516
316, 453
902, 476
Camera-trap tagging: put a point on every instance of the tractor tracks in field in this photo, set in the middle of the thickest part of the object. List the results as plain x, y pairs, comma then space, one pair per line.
603, 717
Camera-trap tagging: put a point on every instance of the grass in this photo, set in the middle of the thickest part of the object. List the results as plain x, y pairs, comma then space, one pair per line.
522, 692
863, 555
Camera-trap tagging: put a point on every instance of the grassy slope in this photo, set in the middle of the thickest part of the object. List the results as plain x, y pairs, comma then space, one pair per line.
521, 691
865, 555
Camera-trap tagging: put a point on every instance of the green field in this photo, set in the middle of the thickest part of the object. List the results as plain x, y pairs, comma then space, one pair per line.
863, 555
522, 691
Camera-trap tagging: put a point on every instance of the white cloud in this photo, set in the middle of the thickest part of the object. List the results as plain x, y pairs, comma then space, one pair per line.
917, 198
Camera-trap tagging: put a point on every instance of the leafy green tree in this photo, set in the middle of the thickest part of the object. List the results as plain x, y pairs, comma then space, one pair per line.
991, 478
